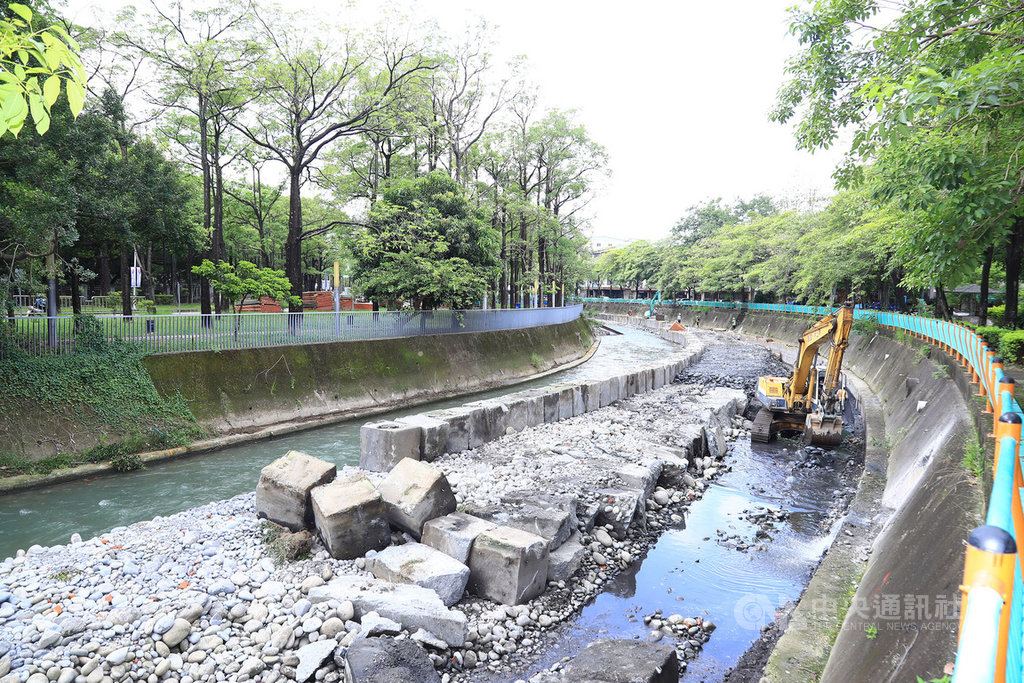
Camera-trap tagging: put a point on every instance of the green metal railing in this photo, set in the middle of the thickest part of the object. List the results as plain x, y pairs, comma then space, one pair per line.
992, 600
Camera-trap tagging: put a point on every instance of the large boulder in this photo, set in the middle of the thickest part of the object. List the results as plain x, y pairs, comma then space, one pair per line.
550, 523
422, 565
412, 606
508, 565
282, 494
382, 445
643, 476
386, 660
415, 492
624, 661
433, 435
454, 534
351, 517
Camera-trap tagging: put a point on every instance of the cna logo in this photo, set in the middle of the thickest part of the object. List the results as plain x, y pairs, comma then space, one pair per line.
754, 611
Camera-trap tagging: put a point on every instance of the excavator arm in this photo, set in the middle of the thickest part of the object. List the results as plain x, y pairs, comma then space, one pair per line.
840, 340
834, 327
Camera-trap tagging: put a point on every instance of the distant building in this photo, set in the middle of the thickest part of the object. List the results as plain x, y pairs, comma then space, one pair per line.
602, 244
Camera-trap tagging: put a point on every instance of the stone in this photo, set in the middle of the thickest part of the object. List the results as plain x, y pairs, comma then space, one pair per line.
422, 565
412, 606
454, 533
618, 508
433, 435
382, 445
551, 405
311, 657
351, 517
282, 494
373, 624
643, 477
564, 561
386, 660
415, 492
466, 427
525, 410
177, 632
624, 661
493, 422
552, 524
591, 392
508, 565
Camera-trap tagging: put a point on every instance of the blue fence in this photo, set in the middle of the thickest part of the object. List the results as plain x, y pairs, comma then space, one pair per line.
172, 333
992, 601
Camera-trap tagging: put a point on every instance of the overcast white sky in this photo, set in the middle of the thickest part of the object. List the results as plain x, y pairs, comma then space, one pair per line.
678, 93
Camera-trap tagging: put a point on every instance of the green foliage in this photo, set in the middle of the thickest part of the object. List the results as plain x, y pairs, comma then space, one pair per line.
992, 335
164, 299
997, 313
34, 63
127, 462
246, 279
425, 244
104, 387
973, 460
867, 327
1011, 347
536, 361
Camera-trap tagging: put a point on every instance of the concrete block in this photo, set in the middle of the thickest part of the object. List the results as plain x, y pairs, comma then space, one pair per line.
551, 524
551, 405
609, 391
422, 565
454, 533
461, 422
643, 477
415, 492
374, 660
492, 424
282, 494
566, 400
632, 379
591, 396
618, 509
412, 606
433, 435
578, 404
565, 560
383, 444
508, 566
556, 501
624, 661
350, 517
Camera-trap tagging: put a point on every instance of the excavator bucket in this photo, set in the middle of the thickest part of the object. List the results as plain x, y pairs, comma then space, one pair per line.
823, 430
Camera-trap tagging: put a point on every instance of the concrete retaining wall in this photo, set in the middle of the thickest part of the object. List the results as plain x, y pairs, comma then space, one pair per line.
925, 505
245, 389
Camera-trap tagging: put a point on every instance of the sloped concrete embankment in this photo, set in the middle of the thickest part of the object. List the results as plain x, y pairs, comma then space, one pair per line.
883, 604
246, 389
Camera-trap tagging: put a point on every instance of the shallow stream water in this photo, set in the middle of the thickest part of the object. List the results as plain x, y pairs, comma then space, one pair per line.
49, 516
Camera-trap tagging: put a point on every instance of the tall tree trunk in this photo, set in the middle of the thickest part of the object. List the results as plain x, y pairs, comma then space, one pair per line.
217, 197
986, 270
150, 286
1013, 259
206, 306
941, 305
126, 281
104, 268
76, 298
293, 243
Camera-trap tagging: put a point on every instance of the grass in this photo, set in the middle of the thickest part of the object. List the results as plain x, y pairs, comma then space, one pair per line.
973, 460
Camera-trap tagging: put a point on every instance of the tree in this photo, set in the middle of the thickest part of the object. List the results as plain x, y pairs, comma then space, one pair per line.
425, 244
239, 282
33, 65
312, 89
933, 97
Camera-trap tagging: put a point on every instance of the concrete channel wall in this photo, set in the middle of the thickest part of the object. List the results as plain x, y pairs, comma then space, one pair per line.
883, 603
246, 389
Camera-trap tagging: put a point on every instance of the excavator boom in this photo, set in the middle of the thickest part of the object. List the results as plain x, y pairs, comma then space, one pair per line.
795, 403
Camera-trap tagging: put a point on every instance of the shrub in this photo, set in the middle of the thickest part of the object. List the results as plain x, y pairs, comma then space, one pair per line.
150, 307
1011, 347
866, 326
996, 314
992, 335
164, 299
126, 462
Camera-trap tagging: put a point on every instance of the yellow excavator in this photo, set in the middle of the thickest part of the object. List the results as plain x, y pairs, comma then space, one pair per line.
808, 401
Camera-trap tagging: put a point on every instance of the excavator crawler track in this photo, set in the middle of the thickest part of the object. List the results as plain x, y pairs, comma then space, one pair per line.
761, 431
